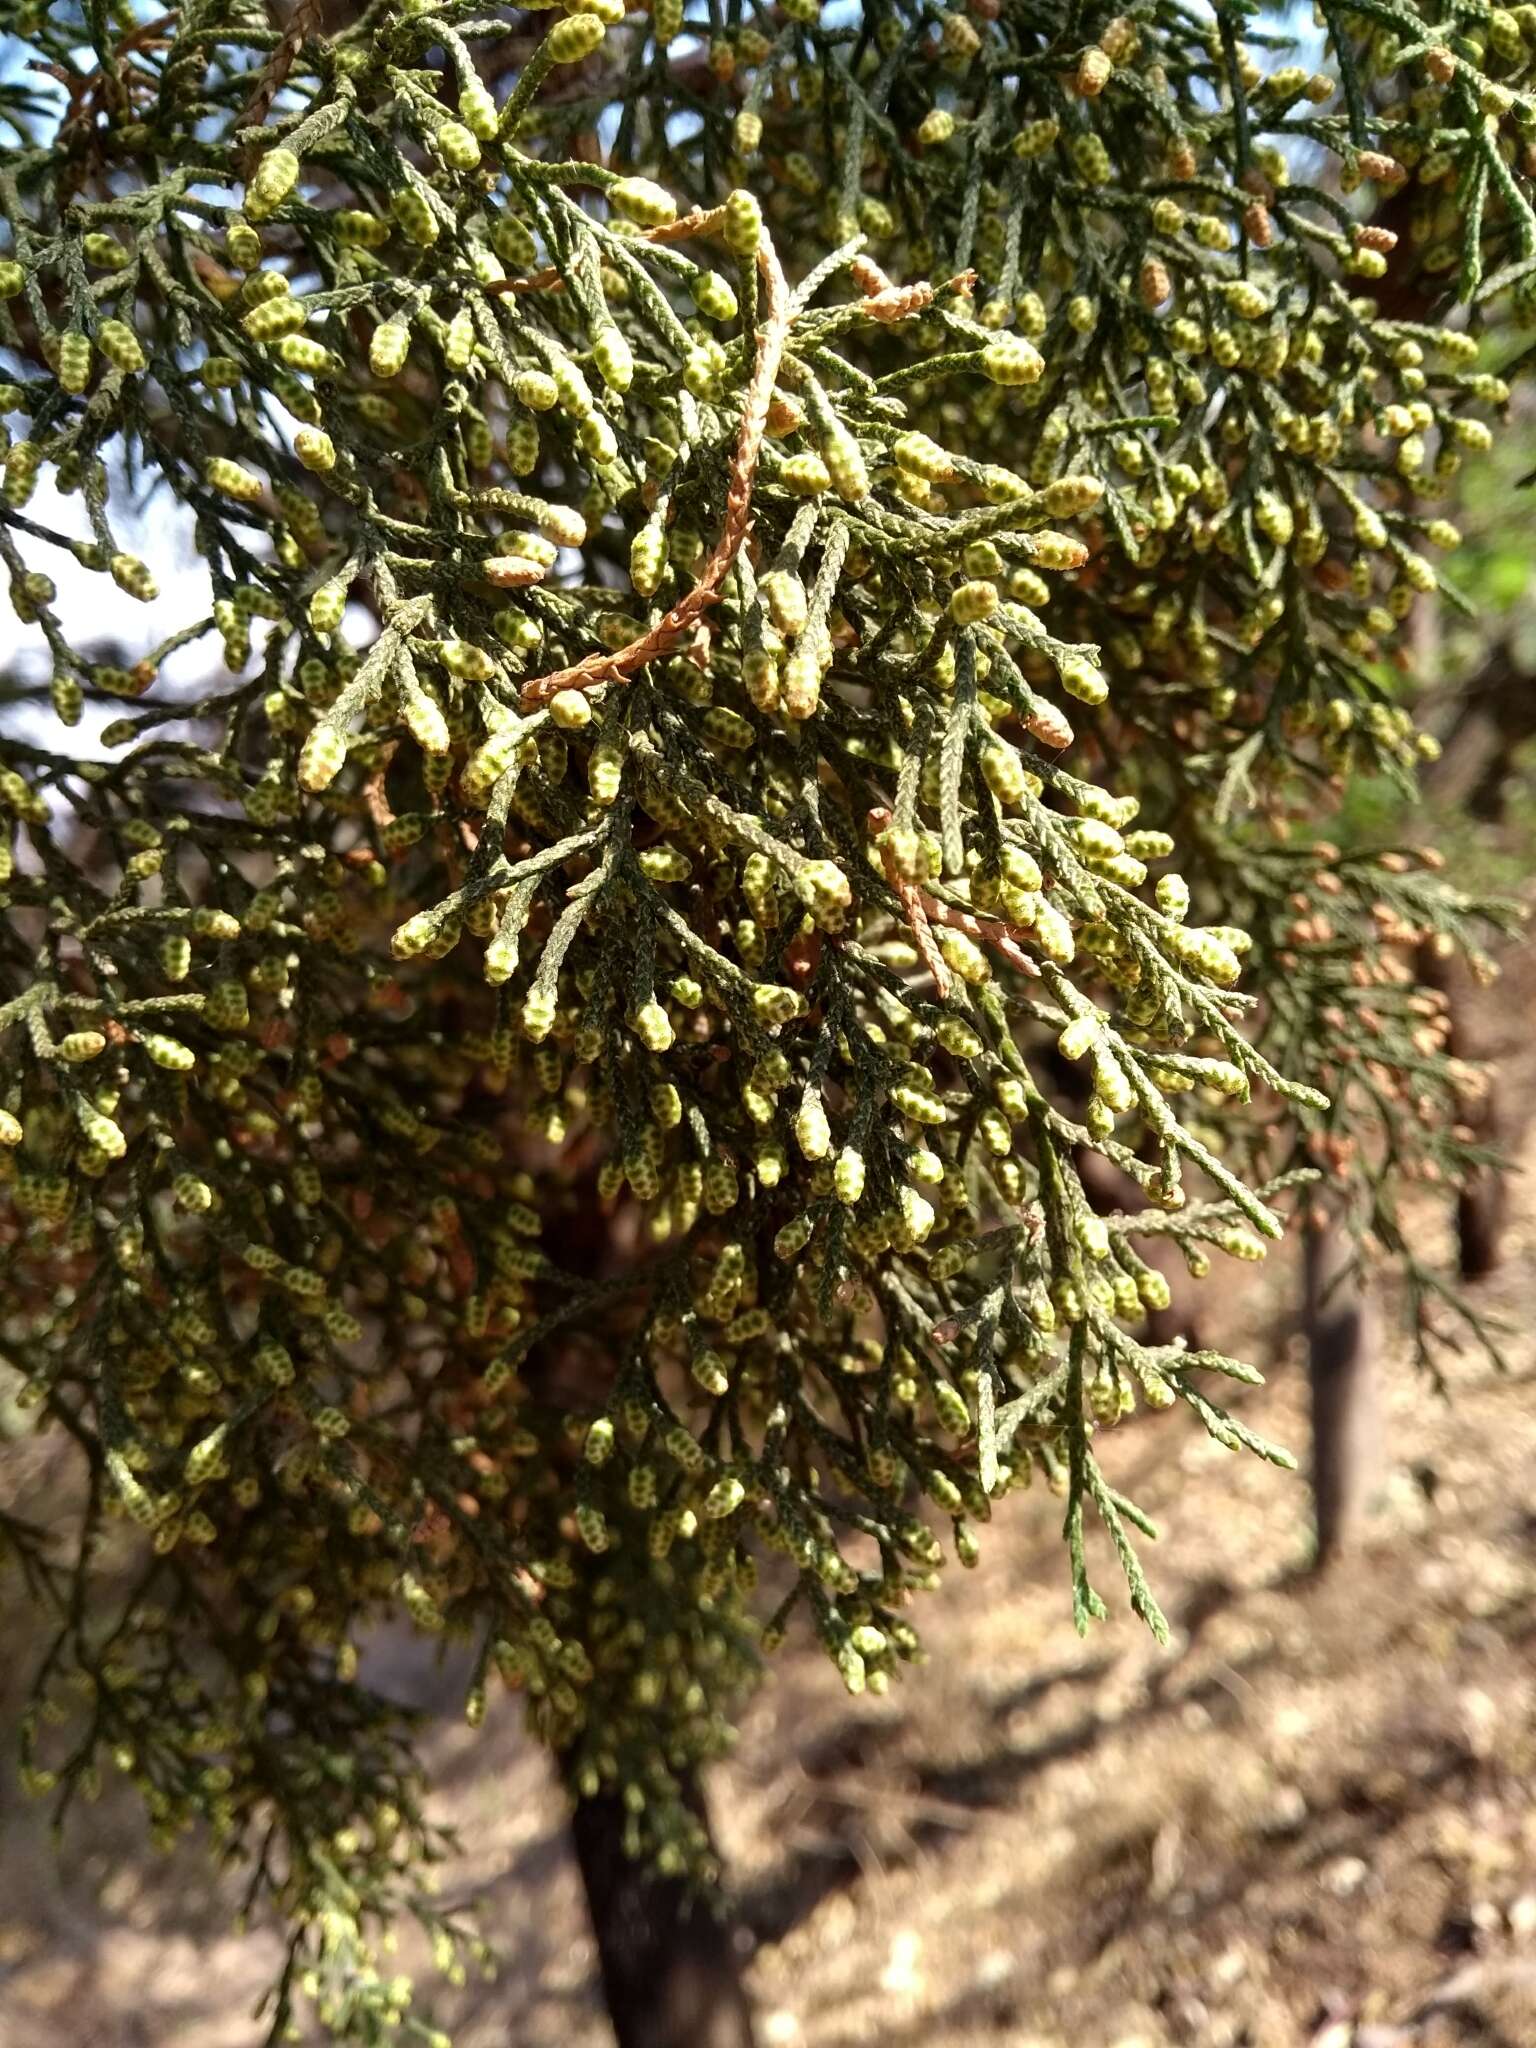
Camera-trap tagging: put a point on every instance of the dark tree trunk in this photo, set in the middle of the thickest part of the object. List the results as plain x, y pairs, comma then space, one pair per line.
670, 1961
1480, 1222
1341, 1331
1481, 1203
1497, 716
1482, 1200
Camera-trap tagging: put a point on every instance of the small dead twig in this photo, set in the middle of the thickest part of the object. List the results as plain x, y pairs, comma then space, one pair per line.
304, 22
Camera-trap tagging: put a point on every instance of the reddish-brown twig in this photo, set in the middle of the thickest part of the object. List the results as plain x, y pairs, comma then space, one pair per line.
986, 931
605, 667
546, 280
910, 898
377, 803
922, 912
306, 21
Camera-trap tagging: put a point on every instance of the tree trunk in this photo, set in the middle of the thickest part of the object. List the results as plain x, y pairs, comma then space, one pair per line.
1480, 1219
1341, 1330
669, 1958
1480, 1204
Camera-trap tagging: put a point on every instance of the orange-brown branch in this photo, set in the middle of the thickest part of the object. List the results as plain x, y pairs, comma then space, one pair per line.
910, 898
987, 931
605, 667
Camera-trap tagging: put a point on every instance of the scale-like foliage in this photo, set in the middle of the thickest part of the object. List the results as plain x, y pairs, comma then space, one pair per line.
735, 556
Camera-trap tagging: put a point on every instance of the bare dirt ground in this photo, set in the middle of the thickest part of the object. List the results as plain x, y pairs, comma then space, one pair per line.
1311, 1821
